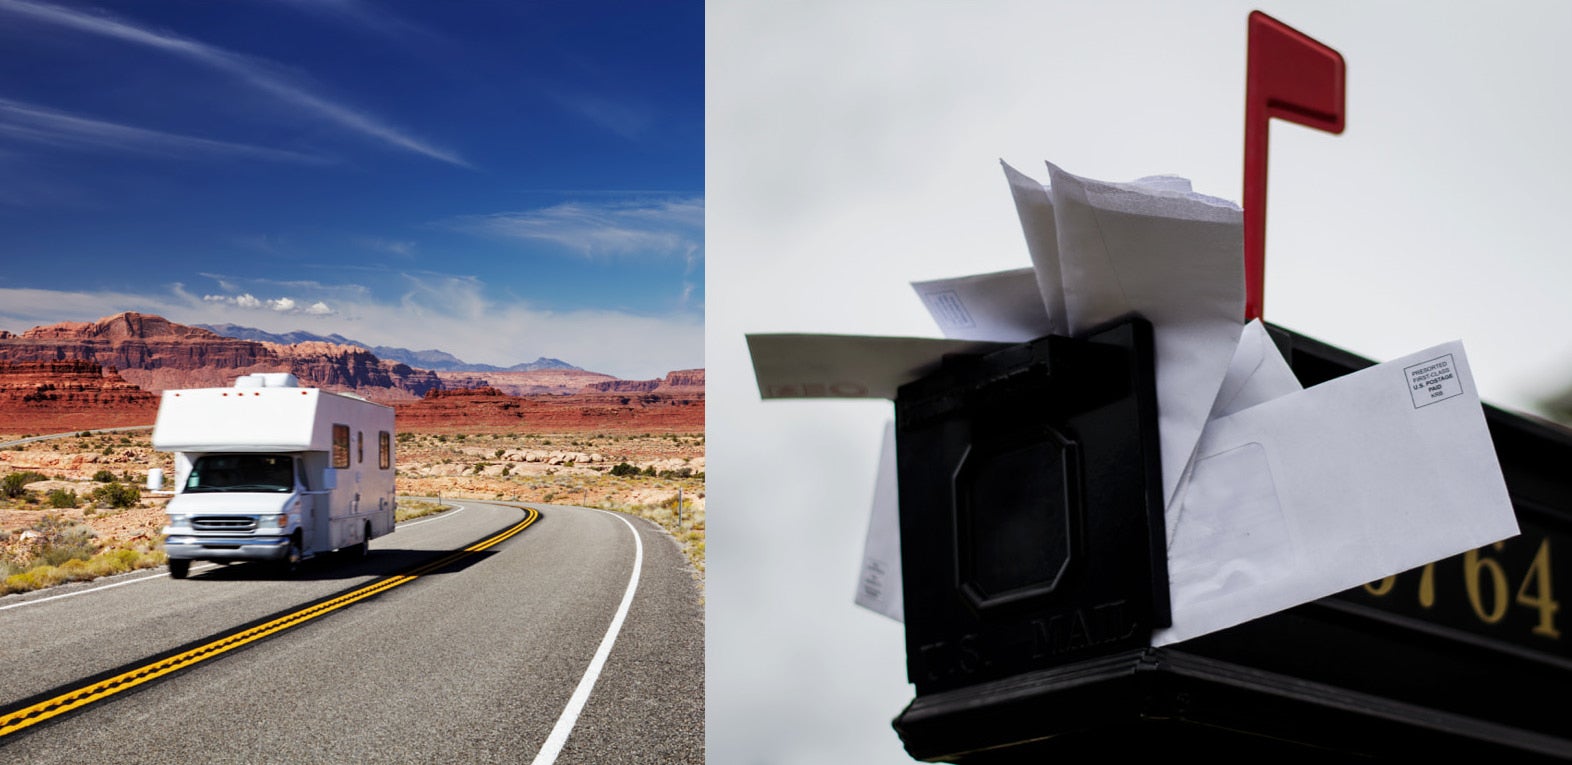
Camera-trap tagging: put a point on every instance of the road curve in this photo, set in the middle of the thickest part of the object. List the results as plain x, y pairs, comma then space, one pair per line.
475, 663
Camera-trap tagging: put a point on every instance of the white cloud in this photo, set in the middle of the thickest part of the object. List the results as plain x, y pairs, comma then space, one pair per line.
283, 305
259, 74
667, 227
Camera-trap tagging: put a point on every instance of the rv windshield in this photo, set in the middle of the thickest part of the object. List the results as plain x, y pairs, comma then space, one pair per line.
242, 472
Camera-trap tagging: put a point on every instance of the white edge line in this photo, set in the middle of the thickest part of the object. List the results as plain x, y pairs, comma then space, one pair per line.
445, 514
98, 588
570, 714
439, 516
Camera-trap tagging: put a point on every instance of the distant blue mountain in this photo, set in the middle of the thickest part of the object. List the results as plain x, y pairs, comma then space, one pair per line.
441, 361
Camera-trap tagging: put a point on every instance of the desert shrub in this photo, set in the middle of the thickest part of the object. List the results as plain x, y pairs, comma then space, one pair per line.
91, 566
118, 495
623, 468
33, 579
62, 498
104, 476
15, 484
61, 541
649, 471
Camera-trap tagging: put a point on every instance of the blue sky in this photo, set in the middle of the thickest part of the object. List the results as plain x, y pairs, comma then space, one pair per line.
500, 180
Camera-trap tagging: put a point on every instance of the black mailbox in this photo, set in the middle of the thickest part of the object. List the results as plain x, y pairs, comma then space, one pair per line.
1046, 454
1031, 501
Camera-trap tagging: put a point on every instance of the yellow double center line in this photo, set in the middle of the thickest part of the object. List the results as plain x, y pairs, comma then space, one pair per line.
19, 719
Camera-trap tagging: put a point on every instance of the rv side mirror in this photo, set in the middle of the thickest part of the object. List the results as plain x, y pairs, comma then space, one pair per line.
155, 479
329, 479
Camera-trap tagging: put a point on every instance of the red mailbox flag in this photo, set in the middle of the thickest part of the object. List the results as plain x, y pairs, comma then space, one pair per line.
1293, 77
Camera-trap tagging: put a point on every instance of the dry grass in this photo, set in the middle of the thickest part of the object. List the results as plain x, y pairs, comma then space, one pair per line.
511, 467
55, 551
496, 467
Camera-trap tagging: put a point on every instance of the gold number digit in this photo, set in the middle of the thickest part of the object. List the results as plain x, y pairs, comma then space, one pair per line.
1427, 586
1473, 565
1542, 599
1381, 587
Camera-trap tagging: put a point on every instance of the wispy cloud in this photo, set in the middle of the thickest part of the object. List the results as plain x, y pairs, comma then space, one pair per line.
38, 124
671, 227
305, 291
621, 118
403, 248
259, 74
360, 16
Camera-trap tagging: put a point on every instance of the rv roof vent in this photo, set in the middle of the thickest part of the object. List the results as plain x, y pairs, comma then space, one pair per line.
267, 380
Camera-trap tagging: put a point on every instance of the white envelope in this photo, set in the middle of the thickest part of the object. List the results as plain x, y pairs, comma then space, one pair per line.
1034, 206
847, 366
1101, 251
1177, 259
1003, 307
1257, 373
1312, 493
879, 587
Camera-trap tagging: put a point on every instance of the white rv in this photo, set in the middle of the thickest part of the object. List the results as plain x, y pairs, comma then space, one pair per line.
268, 470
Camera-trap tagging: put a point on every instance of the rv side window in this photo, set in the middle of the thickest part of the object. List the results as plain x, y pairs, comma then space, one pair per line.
384, 450
360, 446
340, 446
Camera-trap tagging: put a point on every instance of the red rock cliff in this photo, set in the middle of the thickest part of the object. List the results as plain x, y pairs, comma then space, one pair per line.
54, 396
157, 354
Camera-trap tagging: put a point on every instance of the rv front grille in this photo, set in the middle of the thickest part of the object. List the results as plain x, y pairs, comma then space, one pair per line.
224, 523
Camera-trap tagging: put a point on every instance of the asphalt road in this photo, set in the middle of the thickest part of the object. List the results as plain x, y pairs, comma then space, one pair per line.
476, 663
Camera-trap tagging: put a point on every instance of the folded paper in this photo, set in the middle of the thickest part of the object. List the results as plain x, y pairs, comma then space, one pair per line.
1273, 495
879, 589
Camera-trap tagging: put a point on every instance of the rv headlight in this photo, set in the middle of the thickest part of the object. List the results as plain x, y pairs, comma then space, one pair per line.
179, 520
280, 521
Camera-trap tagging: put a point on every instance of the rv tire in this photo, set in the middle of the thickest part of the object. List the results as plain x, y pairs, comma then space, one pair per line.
291, 561
179, 568
359, 550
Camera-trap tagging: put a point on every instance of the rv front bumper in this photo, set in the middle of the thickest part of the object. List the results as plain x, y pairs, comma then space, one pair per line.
225, 549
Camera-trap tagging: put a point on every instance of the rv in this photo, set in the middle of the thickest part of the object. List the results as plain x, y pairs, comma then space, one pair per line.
270, 471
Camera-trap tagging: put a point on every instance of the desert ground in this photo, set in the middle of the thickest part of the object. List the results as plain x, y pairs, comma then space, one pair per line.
641, 474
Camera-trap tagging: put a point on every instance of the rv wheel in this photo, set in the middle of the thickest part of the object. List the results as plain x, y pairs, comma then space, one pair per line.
291, 562
359, 550
179, 568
